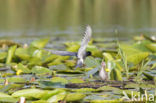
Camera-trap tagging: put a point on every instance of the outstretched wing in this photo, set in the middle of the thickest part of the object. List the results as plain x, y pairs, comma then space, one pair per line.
63, 53
84, 43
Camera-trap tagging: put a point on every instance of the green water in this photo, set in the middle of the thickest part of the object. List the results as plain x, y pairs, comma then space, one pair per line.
68, 18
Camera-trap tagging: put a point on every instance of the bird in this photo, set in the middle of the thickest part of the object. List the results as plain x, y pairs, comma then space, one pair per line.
82, 53
103, 73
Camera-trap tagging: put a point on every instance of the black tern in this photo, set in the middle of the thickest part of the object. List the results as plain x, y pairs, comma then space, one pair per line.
82, 53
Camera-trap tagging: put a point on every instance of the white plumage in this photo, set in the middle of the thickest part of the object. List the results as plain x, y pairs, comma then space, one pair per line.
82, 50
102, 73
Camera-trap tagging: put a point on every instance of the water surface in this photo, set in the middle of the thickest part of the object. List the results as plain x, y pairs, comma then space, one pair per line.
68, 18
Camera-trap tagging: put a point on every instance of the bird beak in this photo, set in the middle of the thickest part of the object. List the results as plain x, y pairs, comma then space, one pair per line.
107, 70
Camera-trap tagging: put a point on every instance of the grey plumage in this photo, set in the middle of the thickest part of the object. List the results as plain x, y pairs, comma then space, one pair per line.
63, 53
81, 55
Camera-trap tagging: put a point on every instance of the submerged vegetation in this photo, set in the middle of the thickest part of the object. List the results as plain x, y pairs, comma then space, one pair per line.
31, 72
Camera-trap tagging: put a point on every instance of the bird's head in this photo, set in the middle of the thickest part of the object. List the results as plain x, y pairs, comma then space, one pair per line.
88, 53
103, 64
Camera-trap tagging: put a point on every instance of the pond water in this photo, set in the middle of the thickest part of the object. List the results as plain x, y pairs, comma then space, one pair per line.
67, 19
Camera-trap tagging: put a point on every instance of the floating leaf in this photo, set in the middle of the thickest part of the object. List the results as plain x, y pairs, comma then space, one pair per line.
85, 90
50, 84
29, 93
39, 70
57, 97
152, 47
76, 80
3, 55
75, 97
40, 101
91, 62
23, 68
105, 101
141, 46
22, 53
16, 79
5, 98
59, 79
136, 58
51, 93
129, 50
40, 43
11, 87
103, 88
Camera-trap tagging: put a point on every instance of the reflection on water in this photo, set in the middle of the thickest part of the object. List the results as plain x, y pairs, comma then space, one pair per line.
69, 17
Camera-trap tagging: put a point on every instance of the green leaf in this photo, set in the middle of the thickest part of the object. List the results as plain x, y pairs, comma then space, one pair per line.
39, 70
128, 49
105, 101
23, 68
37, 53
108, 57
85, 90
59, 79
3, 55
11, 53
56, 98
40, 101
22, 53
136, 58
94, 50
152, 47
75, 97
115, 74
40, 43
51, 85
76, 80
5, 98
29, 93
91, 62
51, 93
16, 79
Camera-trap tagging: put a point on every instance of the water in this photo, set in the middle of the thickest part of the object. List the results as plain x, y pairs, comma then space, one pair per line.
67, 18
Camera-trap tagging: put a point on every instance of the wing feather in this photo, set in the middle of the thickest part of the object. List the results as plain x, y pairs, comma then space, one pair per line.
63, 53
84, 43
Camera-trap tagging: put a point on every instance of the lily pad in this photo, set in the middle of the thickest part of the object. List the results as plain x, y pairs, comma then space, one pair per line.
39, 70
152, 47
5, 98
29, 93
56, 98
75, 97
59, 79
40, 43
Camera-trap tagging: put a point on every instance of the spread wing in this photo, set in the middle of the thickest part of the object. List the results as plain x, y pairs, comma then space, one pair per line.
63, 53
84, 43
